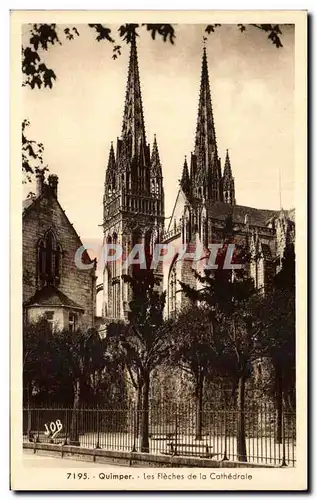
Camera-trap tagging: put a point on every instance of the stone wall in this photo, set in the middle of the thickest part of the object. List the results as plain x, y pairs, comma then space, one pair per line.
77, 284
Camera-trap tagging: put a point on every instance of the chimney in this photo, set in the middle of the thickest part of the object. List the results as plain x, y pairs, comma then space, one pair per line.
53, 183
39, 176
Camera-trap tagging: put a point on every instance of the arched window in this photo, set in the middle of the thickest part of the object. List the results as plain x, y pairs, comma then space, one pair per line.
49, 257
172, 284
204, 234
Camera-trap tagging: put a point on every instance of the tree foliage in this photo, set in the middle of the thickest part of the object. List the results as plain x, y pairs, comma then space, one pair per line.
44, 36
58, 363
32, 154
143, 343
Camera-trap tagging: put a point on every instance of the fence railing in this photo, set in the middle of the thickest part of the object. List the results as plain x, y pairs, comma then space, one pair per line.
265, 437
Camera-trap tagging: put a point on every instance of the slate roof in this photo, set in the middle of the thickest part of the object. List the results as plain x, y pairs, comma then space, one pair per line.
27, 203
257, 216
49, 296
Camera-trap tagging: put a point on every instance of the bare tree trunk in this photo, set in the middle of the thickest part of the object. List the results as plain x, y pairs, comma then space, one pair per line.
145, 414
138, 410
241, 438
278, 404
29, 417
199, 403
74, 431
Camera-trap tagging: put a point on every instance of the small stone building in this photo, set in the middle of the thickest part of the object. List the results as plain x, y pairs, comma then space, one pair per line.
54, 285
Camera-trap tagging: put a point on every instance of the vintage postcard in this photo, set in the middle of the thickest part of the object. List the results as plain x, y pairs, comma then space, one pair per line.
158, 250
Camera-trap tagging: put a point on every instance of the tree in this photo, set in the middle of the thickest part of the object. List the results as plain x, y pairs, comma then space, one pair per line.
193, 350
44, 36
37, 366
82, 355
32, 154
144, 341
232, 302
278, 338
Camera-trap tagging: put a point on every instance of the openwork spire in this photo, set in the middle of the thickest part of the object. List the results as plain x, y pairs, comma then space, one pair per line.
206, 182
205, 141
133, 130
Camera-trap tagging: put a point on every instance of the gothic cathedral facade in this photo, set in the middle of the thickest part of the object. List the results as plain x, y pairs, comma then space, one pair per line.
134, 204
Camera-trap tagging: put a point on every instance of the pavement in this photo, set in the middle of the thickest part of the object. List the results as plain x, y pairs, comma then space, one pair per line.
39, 461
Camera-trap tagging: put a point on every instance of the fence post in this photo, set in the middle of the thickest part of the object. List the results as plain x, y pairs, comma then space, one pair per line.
37, 439
225, 456
283, 464
98, 444
176, 427
66, 427
135, 427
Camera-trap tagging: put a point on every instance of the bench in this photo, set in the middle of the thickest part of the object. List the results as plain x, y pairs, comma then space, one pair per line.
161, 437
204, 450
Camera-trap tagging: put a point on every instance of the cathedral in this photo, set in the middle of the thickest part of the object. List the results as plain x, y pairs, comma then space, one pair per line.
133, 204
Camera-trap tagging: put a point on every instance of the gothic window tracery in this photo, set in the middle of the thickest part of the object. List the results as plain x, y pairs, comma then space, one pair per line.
49, 254
172, 285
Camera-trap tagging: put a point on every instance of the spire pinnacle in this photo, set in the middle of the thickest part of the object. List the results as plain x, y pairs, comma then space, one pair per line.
156, 168
133, 128
227, 172
228, 182
111, 168
185, 180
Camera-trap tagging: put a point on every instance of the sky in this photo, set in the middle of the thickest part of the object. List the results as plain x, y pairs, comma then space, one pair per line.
252, 87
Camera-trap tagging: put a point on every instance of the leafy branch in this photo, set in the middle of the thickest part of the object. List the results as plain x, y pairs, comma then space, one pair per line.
44, 36
32, 154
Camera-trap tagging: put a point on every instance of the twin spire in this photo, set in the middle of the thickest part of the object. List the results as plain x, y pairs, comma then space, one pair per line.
133, 129
205, 141
142, 171
132, 169
205, 180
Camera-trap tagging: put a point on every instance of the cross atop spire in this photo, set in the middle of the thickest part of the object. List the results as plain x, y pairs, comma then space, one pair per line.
133, 129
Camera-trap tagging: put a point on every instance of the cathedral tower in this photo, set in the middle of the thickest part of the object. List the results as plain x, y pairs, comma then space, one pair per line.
133, 200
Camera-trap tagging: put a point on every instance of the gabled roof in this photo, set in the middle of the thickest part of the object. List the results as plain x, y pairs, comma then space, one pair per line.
30, 203
49, 296
27, 203
180, 195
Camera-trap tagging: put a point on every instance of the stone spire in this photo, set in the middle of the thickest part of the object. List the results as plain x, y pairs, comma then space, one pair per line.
228, 182
185, 180
133, 129
207, 178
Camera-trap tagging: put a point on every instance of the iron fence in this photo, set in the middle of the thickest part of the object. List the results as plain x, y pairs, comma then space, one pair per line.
174, 429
